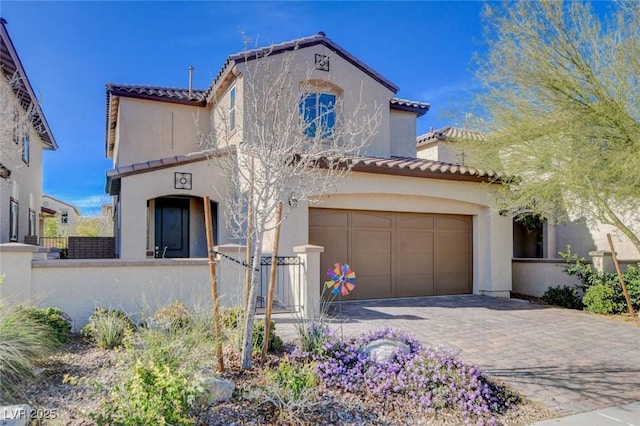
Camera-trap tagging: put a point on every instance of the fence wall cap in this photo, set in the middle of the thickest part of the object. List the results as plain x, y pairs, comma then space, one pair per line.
600, 253
308, 248
18, 247
230, 247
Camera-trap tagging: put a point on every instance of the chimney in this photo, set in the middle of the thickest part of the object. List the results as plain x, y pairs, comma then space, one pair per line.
190, 79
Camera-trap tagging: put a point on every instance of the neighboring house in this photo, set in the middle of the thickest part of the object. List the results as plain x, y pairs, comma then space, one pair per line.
66, 215
24, 135
532, 238
408, 226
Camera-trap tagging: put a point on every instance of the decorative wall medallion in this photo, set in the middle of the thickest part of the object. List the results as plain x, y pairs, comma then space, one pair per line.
322, 62
182, 181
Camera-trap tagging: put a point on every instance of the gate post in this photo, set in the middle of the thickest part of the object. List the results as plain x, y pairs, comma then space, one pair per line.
308, 297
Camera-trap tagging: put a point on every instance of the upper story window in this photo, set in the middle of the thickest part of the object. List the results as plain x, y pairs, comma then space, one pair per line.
16, 125
318, 112
232, 108
64, 217
32, 222
25, 147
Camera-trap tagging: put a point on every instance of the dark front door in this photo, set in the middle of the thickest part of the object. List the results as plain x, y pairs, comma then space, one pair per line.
172, 227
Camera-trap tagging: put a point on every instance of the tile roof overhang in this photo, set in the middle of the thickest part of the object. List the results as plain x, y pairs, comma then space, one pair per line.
398, 166
11, 65
45, 211
449, 134
114, 176
419, 108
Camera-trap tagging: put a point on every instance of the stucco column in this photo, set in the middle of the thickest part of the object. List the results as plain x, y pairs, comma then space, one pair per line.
231, 273
308, 297
15, 266
550, 250
133, 223
602, 261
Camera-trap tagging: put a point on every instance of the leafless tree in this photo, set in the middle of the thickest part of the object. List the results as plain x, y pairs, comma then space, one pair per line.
288, 146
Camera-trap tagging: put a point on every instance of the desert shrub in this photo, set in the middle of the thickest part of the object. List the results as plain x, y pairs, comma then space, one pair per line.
231, 318
290, 389
275, 342
53, 318
24, 342
312, 337
431, 378
564, 296
153, 393
107, 327
601, 299
175, 316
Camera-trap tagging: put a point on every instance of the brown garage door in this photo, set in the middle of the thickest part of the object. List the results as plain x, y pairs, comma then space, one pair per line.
396, 254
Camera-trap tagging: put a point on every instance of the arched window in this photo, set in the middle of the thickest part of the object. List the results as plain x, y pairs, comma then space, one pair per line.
318, 108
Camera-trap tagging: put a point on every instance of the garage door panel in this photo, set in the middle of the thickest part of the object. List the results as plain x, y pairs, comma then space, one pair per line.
397, 254
451, 222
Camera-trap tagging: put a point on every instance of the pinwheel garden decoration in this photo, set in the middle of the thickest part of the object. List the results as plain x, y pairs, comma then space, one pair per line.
343, 281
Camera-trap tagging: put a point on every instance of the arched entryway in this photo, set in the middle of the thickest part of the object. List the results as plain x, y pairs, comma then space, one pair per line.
528, 236
176, 227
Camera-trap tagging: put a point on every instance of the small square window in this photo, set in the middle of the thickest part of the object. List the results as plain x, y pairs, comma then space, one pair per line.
64, 217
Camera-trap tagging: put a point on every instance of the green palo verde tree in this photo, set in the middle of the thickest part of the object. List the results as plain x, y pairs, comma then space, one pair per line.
561, 108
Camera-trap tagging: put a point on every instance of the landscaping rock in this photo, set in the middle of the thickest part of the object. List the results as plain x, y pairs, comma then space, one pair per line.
15, 415
214, 388
383, 350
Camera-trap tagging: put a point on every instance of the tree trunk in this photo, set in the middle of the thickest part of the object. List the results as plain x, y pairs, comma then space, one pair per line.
250, 313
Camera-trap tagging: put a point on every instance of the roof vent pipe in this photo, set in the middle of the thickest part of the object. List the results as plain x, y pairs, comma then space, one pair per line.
190, 79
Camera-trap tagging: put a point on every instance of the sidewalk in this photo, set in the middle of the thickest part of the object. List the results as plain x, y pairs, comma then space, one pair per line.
628, 415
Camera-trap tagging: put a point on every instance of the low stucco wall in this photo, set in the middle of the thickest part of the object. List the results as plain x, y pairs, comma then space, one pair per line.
534, 276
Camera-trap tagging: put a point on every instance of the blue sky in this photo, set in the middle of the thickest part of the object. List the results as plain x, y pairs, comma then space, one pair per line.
71, 49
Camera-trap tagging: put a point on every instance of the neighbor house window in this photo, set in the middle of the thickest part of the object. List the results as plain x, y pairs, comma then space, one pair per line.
318, 112
232, 108
32, 222
13, 220
16, 125
64, 217
25, 147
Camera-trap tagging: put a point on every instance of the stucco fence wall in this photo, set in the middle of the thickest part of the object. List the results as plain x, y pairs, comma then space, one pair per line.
138, 287
533, 276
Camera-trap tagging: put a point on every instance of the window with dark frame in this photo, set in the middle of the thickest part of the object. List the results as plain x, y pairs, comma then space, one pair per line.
13, 220
64, 217
232, 108
32, 222
16, 125
25, 146
318, 111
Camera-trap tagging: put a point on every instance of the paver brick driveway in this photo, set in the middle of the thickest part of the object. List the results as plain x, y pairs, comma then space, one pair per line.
569, 360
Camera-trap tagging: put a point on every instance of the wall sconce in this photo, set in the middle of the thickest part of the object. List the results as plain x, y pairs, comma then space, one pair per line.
501, 202
293, 201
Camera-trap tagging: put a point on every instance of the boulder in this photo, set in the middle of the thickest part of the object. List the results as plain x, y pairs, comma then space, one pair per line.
214, 389
384, 350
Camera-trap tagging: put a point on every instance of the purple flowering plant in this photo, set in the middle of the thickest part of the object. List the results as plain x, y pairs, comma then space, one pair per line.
430, 378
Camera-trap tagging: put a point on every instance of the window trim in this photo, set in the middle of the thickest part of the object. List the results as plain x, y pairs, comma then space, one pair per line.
232, 108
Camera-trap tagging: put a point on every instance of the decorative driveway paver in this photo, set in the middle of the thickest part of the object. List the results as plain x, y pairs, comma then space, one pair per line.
566, 359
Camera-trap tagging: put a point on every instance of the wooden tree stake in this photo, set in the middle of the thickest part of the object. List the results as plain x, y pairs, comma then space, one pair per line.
620, 278
213, 281
272, 282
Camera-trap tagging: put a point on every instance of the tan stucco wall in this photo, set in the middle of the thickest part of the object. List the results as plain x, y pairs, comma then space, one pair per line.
25, 182
357, 87
149, 130
534, 276
492, 234
402, 129
585, 237
137, 189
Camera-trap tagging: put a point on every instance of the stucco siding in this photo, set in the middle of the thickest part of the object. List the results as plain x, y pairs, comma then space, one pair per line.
402, 128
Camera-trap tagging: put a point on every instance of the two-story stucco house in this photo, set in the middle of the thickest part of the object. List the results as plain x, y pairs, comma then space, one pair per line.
66, 215
24, 135
408, 226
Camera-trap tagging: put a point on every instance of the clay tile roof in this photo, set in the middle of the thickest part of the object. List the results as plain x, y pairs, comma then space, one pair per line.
450, 133
420, 108
419, 167
175, 94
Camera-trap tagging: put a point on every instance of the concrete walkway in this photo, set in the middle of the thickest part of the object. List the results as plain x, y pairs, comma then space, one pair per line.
568, 360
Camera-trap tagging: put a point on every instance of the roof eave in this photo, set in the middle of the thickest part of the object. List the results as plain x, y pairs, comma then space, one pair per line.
419, 111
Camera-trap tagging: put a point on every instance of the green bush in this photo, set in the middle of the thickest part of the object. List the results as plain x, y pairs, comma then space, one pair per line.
107, 327
290, 389
564, 296
601, 299
154, 393
24, 342
275, 342
231, 318
175, 316
53, 318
